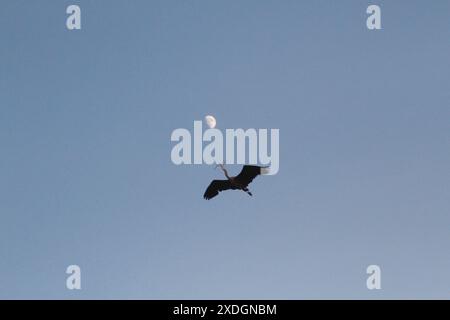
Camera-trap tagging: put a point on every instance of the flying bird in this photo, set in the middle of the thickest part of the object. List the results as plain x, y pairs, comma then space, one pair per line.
239, 182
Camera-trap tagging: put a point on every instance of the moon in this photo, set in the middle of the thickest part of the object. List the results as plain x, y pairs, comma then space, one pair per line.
210, 121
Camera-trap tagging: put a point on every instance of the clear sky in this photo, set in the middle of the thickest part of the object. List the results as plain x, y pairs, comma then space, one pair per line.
85, 170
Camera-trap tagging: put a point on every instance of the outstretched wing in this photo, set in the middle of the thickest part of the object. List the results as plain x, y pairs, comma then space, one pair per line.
247, 174
215, 187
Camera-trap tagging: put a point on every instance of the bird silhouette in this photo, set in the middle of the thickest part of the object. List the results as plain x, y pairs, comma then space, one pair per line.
239, 182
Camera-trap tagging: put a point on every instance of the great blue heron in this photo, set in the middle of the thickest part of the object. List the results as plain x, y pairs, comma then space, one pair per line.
239, 182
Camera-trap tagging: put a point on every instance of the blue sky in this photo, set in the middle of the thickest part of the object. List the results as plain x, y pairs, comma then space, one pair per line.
86, 175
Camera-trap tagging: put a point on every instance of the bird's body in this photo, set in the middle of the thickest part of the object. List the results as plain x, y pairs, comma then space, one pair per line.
239, 182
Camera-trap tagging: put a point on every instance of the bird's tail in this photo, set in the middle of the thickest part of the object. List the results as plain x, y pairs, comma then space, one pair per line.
265, 170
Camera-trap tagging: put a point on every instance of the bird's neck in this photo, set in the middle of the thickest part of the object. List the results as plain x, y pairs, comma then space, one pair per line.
225, 172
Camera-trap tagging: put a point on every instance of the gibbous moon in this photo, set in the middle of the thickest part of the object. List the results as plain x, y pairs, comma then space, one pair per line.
210, 121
